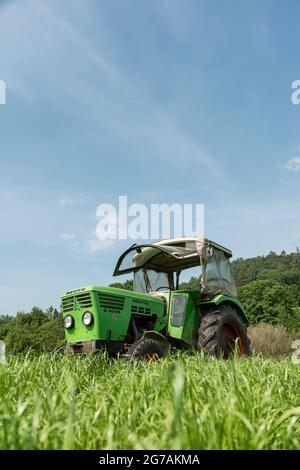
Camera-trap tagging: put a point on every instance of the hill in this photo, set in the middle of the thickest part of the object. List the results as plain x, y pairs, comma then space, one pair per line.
283, 268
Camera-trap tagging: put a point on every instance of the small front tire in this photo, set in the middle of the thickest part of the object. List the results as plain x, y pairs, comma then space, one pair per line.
147, 350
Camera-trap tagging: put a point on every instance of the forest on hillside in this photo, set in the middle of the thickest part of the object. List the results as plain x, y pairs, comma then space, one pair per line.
268, 286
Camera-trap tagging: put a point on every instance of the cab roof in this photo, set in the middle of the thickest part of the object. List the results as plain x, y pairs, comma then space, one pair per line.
168, 255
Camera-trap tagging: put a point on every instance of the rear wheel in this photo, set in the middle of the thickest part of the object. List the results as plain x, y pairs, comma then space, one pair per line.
222, 331
147, 350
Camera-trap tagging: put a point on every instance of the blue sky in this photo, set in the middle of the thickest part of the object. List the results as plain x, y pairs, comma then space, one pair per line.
163, 101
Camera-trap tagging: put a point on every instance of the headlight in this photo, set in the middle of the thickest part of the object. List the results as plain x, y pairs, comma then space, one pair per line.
68, 321
87, 318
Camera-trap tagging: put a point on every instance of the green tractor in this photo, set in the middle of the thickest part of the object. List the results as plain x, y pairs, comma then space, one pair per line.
158, 315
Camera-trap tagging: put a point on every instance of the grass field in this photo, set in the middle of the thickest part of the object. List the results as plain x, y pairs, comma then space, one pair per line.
184, 402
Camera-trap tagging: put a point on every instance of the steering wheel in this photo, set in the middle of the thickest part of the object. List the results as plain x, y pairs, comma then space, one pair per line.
162, 287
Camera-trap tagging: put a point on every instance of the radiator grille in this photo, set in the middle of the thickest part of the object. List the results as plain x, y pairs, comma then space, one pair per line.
76, 302
111, 302
140, 310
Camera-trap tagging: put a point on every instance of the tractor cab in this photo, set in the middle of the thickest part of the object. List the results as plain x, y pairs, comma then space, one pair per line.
158, 266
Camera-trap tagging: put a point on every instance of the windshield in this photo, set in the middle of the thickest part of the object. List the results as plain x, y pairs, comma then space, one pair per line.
150, 281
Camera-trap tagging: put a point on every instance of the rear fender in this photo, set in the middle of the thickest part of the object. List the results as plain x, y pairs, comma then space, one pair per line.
227, 300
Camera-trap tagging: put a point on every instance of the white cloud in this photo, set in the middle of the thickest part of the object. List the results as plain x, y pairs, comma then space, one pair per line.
94, 244
293, 164
67, 236
68, 200
9, 196
173, 145
89, 243
65, 201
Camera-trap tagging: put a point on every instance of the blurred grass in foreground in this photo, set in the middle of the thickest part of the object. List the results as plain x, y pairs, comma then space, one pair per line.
183, 402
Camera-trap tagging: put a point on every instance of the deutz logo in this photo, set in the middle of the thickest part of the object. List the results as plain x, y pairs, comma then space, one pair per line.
139, 301
76, 305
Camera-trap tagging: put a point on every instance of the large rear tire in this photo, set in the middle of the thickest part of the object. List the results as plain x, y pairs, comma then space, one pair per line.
222, 332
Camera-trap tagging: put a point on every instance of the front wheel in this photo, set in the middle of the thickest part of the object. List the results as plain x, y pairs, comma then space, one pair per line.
146, 350
222, 331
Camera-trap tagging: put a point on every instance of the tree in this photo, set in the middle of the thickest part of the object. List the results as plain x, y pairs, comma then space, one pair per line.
37, 330
267, 301
192, 284
128, 284
5, 324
